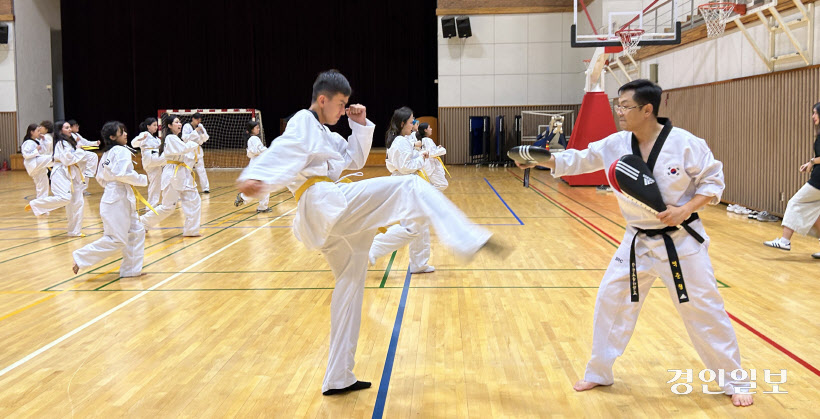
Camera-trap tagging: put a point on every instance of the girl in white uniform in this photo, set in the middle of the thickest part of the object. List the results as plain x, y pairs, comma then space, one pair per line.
433, 165
195, 132
36, 160
403, 159
342, 218
91, 160
152, 162
177, 181
66, 182
123, 234
255, 148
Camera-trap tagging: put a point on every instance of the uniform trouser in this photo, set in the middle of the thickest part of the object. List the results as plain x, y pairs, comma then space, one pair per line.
201, 175
438, 177
371, 204
40, 183
706, 321
399, 235
154, 185
90, 162
122, 234
263, 202
191, 209
64, 195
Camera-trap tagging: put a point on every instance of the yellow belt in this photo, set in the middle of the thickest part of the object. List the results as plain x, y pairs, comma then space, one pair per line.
141, 199
71, 175
423, 175
312, 181
89, 147
445, 167
180, 163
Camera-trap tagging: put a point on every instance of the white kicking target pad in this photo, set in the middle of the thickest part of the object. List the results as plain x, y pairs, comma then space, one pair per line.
529, 154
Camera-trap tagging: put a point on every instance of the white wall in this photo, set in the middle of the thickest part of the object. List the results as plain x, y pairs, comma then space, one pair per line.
521, 59
8, 94
728, 57
34, 20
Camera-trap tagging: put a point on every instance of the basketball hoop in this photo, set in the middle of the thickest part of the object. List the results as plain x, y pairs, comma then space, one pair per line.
717, 14
630, 39
586, 63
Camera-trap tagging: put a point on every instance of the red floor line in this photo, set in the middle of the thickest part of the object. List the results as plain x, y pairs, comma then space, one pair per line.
765, 338
569, 210
779, 347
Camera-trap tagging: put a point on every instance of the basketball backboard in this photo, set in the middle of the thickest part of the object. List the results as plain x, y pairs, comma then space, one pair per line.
598, 25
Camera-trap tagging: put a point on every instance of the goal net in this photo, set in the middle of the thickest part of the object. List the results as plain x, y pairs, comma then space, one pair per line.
226, 147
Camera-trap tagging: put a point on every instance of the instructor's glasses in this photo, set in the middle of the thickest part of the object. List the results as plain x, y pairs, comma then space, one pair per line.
622, 109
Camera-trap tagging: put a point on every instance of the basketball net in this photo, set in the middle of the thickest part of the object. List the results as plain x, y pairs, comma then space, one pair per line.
716, 15
630, 39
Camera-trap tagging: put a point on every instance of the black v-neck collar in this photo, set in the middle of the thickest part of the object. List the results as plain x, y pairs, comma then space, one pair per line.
315, 115
656, 148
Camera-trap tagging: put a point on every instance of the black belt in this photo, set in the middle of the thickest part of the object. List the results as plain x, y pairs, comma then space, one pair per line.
674, 262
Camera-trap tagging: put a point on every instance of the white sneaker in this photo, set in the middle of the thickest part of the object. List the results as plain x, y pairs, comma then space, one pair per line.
739, 209
816, 255
731, 208
426, 270
779, 243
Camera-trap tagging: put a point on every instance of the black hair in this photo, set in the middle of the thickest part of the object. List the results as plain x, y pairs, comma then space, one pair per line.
329, 83
196, 115
110, 129
400, 116
250, 125
166, 130
816, 108
72, 122
31, 127
144, 124
645, 93
420, 133
48, 125
58, 135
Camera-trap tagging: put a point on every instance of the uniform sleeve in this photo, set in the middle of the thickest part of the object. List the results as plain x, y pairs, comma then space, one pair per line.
173, 145
82, 142
406, 159
358, 144
189, 134
122, 169
288, 155
68, 156
29, 149
576, 162
435, 151
706, 171
204, 136
255, 146
139, 139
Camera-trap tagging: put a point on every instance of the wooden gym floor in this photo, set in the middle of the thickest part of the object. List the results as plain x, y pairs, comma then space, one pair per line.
236, 322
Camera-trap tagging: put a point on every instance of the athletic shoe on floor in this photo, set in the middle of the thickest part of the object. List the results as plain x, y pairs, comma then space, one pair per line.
779, 243
238, 201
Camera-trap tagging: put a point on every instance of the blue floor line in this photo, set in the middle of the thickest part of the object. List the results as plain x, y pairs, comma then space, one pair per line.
381, 398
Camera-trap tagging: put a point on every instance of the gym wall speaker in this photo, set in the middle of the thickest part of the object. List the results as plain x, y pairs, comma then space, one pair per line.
448, 26
4, 33
463, 26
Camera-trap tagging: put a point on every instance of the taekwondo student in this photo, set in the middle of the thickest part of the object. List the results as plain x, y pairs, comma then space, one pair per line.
177, 181
123, 234
689, 178
91, 160
195, 131
66, 181
342, 218
404, 159
255, 148
35, 160
433, 166
152, 162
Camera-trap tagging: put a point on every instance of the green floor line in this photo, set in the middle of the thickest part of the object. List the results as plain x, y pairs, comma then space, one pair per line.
578, 202
242, 207
387, 271
330, 288
46, 238
51, 247
194, 243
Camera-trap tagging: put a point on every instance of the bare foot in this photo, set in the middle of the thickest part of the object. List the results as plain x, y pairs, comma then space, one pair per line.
582, 385
75, 268
742, 399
